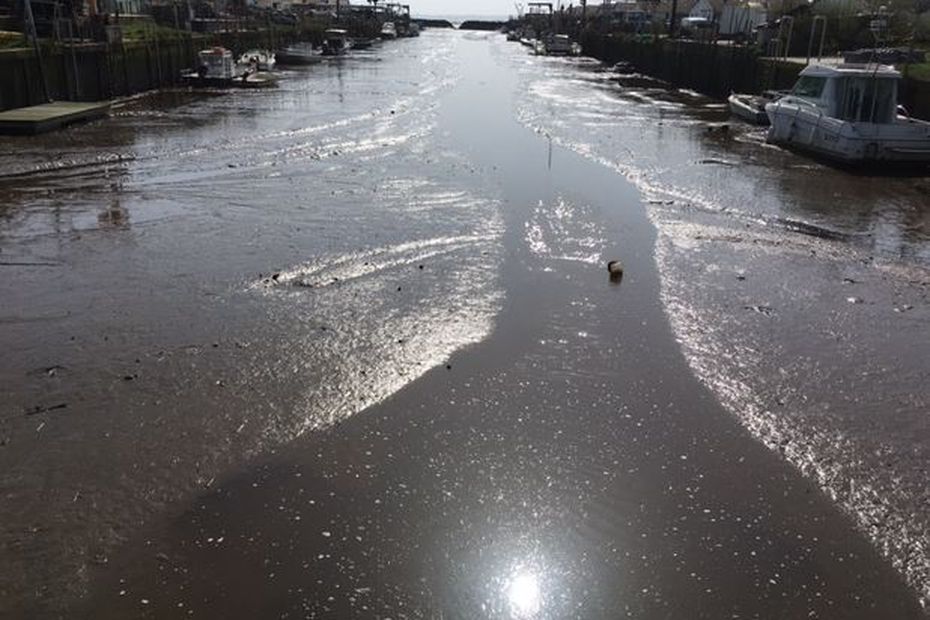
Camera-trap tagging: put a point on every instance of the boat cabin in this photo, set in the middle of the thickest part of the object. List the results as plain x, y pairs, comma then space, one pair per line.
335, 41
215, 63
854, 93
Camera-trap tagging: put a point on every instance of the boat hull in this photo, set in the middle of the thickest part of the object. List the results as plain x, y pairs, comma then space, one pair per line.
292, 59
807, 129
195, 80
748, 109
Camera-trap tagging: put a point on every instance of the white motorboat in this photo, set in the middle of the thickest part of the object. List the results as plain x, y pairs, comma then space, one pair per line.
214, 68
751, 108
849, 113
257, 60
298, 54
335, 42
388, 30
557, 45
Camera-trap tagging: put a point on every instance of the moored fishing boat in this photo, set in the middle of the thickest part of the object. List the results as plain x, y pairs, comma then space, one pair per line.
300, 54
849, 113
257, 79
556, 45
214, 68
335, 42
258, 60
388, 30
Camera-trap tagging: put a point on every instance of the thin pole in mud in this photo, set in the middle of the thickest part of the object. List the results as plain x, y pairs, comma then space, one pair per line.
31, 25
672, 18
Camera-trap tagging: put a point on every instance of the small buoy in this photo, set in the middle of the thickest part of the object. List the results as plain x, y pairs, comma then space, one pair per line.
615, 268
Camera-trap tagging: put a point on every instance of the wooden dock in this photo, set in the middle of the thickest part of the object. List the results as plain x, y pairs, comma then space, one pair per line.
50, 116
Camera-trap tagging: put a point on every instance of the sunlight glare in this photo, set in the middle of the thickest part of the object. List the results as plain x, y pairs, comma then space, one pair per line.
523, 594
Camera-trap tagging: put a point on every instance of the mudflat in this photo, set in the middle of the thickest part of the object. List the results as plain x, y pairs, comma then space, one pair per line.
373, 365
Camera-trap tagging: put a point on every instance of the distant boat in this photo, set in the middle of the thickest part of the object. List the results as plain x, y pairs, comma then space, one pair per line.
260, 60
298, 55
363, 44
388, 31
335, 42
849, 113
214, 68
557, 45
413, 30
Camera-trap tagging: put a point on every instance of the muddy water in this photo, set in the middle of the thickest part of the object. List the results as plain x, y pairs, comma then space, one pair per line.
206, 280
798, 292
202, 278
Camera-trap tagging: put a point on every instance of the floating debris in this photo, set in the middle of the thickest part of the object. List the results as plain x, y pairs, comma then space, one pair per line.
615, 269
43, 409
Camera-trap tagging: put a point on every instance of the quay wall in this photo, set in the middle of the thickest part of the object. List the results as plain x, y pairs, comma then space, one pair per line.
99, 71
717, 70
714, 70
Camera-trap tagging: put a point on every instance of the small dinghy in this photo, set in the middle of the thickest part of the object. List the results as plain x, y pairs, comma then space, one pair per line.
259, 60
256, 79
750, 108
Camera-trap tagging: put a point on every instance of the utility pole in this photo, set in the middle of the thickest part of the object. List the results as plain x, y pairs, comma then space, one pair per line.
31, 26
673, 19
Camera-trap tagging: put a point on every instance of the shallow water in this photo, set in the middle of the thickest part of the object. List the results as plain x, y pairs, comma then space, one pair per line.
263, 263
214, 275
798, 292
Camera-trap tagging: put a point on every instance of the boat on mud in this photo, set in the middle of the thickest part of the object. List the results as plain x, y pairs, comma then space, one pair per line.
256, 79
215, 69
751, 108
849, 113
388, 30
362, 43
557, 45
298, 54
258, 60
335, 42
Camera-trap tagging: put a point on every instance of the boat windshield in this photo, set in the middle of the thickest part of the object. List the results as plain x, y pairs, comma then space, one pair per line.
809, 87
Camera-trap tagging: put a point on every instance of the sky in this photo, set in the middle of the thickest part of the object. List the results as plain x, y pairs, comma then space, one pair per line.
491, 8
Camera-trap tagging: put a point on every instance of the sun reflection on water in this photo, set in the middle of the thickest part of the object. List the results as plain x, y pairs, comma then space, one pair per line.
523, 595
